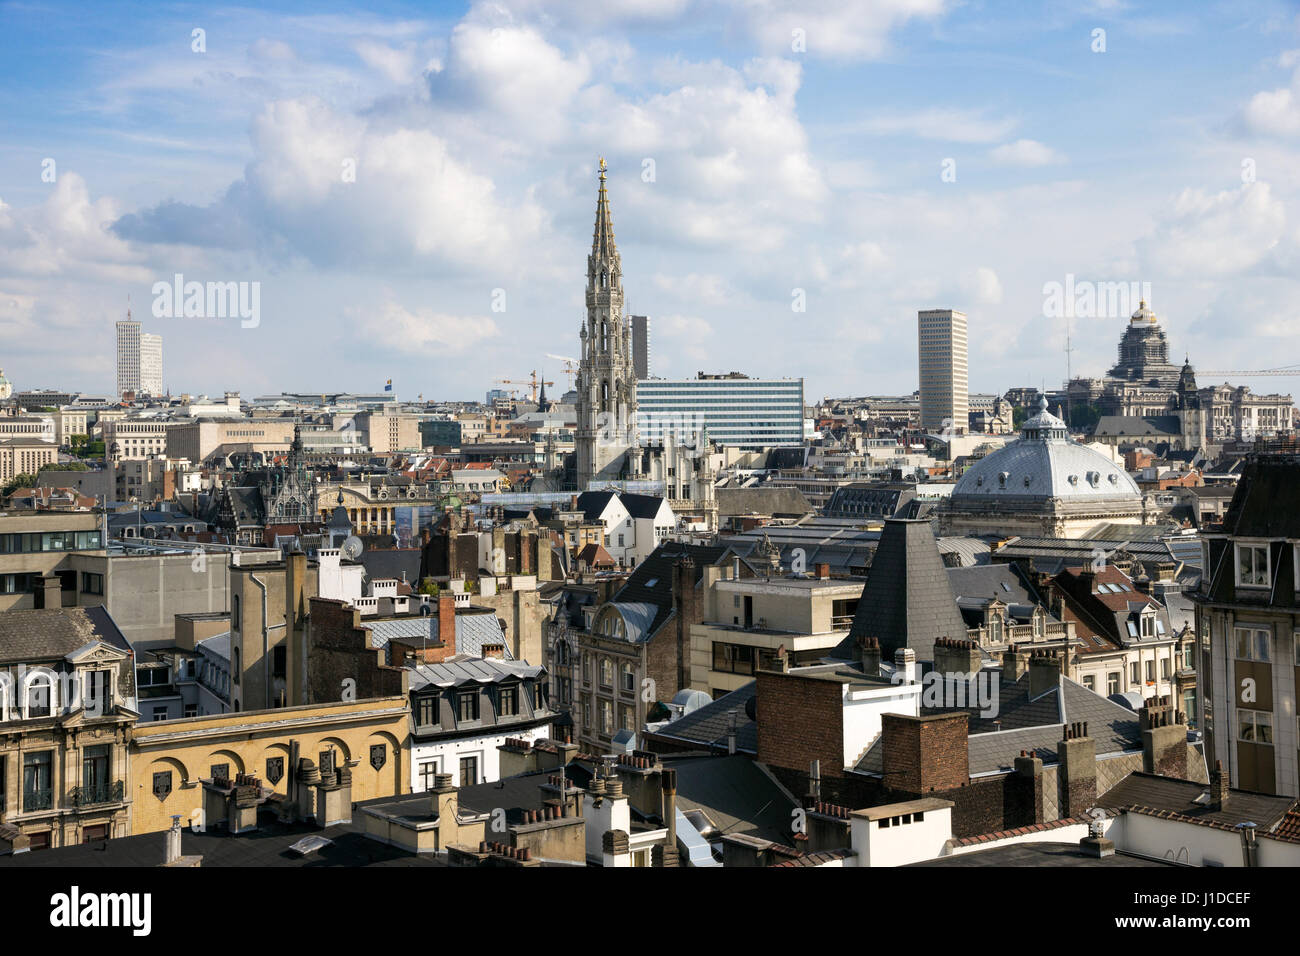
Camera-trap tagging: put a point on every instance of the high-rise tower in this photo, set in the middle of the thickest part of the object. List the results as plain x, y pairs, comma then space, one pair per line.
606, 375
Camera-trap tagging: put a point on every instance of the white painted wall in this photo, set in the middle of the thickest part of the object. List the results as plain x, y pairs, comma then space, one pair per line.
864, 709
447, 754
903, 843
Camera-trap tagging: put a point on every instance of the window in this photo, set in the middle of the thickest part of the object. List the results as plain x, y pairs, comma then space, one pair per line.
1255, 726
1252, 644
1135, 673
508, 701
586, 668
426, 711
99, 692
1112, 682
428, 771
606, 672
191, 710
467, 705
38, 781
1252, 565
95, 785
468, 771
92, 583
629, 678
606, 716
1151, 670
160, 713
1090, 682
40, 693
1164, 668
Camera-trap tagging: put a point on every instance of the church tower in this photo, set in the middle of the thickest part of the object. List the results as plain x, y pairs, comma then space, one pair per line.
606, 375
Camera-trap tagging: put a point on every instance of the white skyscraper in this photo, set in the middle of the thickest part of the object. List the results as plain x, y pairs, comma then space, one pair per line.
941, 351
139, 359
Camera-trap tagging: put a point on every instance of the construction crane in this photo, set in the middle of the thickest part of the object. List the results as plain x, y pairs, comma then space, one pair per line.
532, 382
1285, 370
570, 366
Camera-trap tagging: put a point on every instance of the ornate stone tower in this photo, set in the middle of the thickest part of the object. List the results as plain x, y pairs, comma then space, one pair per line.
606, 374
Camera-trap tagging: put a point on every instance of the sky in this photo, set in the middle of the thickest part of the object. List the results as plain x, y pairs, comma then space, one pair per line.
410, 188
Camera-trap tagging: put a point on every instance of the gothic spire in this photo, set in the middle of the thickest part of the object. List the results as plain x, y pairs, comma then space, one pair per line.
602, 239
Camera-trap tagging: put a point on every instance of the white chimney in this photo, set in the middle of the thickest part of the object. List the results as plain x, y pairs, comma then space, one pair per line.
905, 661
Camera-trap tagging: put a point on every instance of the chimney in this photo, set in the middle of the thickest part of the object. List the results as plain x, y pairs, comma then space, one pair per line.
1077, 757
905, 663
447, 620
1044, 673
494, 652
869, 651
1164, 738
174, 841
1014, 664
731, 731
1029, 777
668, 781
823, 571
955, 656
815, 781
1219, 788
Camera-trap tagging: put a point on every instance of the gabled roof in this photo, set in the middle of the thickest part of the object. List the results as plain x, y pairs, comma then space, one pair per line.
641, 506
592, 504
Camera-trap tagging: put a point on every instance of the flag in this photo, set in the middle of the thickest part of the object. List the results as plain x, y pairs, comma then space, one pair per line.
389, 386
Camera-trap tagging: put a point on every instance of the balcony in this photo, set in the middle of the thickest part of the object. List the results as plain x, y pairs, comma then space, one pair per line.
36, 800
82, 797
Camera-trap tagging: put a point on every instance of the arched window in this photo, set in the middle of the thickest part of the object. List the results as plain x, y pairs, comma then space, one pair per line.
604, 336
39, 695
235, 666
604, 396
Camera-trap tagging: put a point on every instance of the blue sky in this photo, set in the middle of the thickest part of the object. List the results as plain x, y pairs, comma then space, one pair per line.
475, 129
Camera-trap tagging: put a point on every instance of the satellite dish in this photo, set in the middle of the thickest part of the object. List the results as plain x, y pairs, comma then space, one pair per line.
352, 547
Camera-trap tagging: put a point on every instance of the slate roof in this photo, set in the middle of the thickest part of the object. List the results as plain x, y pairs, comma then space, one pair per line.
1151, 791
907, 600
641, 506
34, 636
464, 669
592, 504
652, 581
1134, 426
398, 564
1039, 855
1035, 725
842, 544
735, 794
472, 631
1267, 500
708, 725
764, 501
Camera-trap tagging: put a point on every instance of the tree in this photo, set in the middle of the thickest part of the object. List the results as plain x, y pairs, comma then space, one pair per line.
429, 586
23, 480
65, 466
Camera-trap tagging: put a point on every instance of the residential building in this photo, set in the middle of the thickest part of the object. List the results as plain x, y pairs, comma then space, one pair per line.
1248, 626
67, 706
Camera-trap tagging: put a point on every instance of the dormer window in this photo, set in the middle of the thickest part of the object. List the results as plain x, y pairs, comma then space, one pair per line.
1253, 565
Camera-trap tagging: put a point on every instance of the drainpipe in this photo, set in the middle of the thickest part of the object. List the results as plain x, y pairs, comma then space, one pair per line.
266, 648
1249, 845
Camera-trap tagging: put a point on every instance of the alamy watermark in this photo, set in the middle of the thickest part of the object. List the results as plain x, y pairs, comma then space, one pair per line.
179, 299
1084, 299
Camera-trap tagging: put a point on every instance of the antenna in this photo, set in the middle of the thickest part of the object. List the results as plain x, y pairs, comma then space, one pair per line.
1068, 349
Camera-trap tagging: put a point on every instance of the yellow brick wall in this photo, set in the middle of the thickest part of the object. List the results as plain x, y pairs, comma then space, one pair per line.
189, 748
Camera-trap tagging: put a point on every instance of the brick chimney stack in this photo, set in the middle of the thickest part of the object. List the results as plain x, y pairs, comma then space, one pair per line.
1044, 673
869, 651
956, 656
1014, 663
1218, 787
1164, 738
1077, 756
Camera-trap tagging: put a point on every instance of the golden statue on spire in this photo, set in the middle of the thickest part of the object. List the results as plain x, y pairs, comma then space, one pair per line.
602, 167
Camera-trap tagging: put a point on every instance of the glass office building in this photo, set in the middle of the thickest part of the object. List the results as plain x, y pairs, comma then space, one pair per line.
745, 412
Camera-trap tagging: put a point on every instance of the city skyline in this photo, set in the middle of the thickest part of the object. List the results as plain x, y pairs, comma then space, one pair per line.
410, 209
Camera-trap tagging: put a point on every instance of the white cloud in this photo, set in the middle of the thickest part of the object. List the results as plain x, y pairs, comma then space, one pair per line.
1025, 152
938, 123
1214, 235
833, 29
424, 330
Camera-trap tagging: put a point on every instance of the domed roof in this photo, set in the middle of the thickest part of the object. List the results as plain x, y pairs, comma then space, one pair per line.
1045, 464
1143, 313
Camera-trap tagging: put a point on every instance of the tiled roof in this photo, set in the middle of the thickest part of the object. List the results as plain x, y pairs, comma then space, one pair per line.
1015, 832
652, 581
